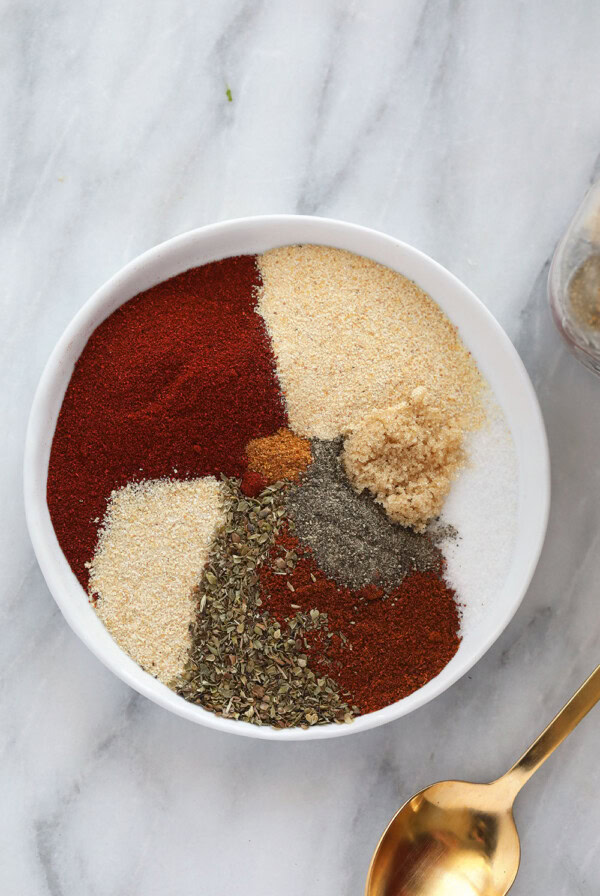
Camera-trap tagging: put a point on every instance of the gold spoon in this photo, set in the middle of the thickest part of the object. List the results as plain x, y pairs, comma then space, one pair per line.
460, 839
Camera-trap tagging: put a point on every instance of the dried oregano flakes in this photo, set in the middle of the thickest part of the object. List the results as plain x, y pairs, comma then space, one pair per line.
243, 664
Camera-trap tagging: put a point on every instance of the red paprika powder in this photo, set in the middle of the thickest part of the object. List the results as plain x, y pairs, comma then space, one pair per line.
252, 483
174, 383
379, 647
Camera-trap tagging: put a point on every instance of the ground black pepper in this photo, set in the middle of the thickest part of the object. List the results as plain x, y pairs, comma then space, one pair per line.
351, 537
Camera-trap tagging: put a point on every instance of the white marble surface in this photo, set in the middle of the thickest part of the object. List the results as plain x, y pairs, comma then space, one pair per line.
468, 129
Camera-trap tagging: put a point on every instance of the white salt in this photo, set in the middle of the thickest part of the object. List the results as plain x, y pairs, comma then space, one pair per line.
482, 506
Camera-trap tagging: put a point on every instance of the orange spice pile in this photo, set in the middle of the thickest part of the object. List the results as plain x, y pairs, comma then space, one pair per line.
283, 455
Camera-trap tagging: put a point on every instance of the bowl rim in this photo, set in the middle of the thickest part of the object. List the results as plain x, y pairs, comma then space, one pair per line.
37, 515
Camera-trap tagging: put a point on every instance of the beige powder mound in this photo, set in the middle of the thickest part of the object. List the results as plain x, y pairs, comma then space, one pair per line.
351, 335
406, 456
152, 548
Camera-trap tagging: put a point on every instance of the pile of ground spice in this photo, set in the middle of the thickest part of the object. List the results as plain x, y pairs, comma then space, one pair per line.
351, 336
378, 648
174, 383
406, 456
154, 542
283, 455
584, 293
353, 540
252, 483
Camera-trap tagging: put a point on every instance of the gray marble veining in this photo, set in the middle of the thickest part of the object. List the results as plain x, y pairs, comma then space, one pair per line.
468, 129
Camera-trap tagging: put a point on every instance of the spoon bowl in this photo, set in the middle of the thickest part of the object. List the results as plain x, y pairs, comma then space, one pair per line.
454, 838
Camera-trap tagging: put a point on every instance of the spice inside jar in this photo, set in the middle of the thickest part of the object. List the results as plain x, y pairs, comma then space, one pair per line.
584, 293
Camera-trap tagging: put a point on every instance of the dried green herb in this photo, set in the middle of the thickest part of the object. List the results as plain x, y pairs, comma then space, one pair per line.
243, 665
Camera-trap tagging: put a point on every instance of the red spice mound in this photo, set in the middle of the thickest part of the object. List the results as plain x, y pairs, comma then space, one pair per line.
252, 483
394, 643
175, 382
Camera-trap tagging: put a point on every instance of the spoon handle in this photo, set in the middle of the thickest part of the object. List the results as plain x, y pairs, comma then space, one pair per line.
561, 725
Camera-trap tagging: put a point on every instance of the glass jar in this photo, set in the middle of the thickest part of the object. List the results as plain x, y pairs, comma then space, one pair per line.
574, 282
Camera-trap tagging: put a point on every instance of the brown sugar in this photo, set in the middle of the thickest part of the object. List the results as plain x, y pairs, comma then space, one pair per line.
406, 456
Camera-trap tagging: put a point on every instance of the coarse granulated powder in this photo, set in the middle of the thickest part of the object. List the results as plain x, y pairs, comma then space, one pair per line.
351, 336
151, 552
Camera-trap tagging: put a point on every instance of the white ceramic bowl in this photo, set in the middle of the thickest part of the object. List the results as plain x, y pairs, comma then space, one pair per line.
495, 355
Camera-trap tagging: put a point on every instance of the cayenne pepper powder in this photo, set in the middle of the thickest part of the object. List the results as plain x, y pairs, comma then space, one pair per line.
281, 456
252, 484
174, 383
378, 647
